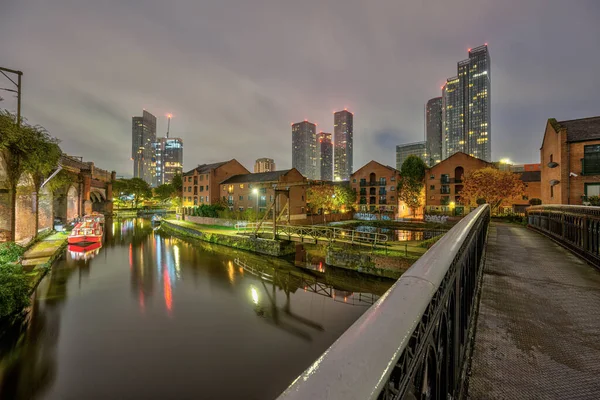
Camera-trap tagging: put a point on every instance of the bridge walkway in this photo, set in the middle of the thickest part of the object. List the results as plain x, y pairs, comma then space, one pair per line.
538, 330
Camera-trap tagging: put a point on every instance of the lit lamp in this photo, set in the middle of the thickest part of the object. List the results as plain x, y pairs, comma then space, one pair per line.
452, 205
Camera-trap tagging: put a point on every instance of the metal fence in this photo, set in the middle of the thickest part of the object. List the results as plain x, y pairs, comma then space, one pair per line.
315, 233
575, 227
414, 342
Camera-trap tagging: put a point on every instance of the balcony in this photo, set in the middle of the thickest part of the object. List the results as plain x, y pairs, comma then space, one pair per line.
455, 180
445, 191
382, 191
382, 201
362, 201
445, 180
363, 192
375, 183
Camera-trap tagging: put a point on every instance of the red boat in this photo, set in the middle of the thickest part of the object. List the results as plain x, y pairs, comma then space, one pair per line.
86, 232
85, 251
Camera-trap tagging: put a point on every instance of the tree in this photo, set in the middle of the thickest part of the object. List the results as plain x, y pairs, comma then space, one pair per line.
165, 192
136, 188
410, 187
344, 198
321, 197
492, 185
41, 162
177, 183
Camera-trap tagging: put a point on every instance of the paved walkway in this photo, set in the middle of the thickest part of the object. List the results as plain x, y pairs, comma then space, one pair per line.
538, 332
41, 252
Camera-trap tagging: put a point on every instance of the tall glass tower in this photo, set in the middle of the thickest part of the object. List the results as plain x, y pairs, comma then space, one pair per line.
143, 138
466, 107
325, 155
433, 130
343, 131
304, 149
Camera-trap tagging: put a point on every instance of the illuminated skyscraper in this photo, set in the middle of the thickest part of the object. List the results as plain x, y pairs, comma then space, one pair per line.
168, 156
304, 149
325, 155
343, 131
466, 108
418, 149
143, 137
433, 131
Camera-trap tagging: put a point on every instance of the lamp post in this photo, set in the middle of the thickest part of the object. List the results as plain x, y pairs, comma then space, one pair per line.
18, 91
255, 192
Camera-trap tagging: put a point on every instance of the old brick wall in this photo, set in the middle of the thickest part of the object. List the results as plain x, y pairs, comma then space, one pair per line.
552, 149
577, 183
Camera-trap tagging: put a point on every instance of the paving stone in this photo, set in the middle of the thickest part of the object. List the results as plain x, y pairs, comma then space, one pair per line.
538, 331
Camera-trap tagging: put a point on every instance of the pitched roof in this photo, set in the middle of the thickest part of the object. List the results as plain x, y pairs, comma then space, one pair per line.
531, 176
206, 168
458, 153
579, 130
378, 163
259, 177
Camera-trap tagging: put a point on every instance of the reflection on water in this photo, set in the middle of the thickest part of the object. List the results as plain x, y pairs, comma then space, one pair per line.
149, 316
401, 235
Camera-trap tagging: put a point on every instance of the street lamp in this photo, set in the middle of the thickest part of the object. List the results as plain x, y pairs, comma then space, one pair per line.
255, 192
18, 91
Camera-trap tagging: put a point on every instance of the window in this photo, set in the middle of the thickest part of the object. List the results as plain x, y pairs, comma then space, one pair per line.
445, 178
241, 208
302, 197
432, 177
392, 188
201, 178
189, 199
241, 198
241, 185
202, 188
551, 191
591, 160
354, 180
206, 187
592, 189
525, 197
393, 179
431, 187
550, 157
195, 201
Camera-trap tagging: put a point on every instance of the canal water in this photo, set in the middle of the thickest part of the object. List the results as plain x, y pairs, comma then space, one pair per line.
149, 316
402, 235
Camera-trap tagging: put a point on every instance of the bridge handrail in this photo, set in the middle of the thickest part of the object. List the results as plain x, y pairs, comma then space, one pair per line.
388, 350
575, 227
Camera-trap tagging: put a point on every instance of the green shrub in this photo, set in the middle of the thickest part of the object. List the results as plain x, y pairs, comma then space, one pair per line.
594, 200
14, 289
430, 242
10, 252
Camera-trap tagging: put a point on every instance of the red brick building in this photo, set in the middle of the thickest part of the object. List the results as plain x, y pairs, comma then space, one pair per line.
443, 183
249, 191
375, 186
570, 158
201, 185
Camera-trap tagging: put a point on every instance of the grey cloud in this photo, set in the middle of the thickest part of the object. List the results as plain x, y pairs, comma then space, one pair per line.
236, 73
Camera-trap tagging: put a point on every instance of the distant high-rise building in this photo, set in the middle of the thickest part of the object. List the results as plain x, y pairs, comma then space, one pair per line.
325, 155
304, 149
264, 165
168, 157
418, 149
466, 107
433, 131
142, 147
343, 132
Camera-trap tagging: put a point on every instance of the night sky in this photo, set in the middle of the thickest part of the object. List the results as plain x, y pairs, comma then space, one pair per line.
235, 74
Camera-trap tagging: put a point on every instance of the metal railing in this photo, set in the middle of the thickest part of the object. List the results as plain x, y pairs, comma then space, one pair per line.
575, 227
415, 341
315, 233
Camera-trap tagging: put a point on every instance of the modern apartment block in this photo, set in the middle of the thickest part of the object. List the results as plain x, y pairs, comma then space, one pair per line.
258, 191
375, 187
169, 159
433, 130
264, 165
325, 147
343, 141
304, 149
201, 184
466, 108
143, 137
418, 149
